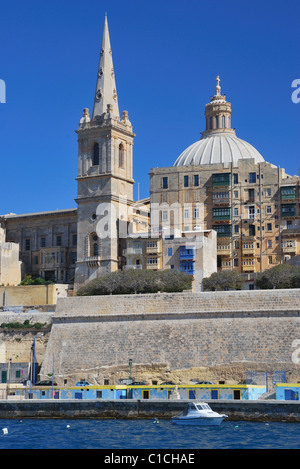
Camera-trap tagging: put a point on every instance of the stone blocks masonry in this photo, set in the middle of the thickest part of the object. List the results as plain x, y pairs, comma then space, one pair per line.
183, 329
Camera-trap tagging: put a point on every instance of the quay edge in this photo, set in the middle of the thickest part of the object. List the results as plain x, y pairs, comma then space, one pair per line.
257, 411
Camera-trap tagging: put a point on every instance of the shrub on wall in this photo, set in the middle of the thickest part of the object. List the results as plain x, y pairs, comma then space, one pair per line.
33, 279
224, 280
132, 281
280, 276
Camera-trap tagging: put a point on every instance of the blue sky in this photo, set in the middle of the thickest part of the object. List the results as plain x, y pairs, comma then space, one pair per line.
166, 56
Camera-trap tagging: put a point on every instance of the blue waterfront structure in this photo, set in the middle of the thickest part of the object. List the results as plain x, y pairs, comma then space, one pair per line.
287, 391
187, 391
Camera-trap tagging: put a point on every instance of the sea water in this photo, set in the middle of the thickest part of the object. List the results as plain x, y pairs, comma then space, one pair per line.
145, 434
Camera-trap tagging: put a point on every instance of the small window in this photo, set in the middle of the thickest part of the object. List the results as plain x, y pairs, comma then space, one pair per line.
96, 155
269, 226
170, 251
74, 239
165, 215
186, 181
269, 209
165, 183
252, 177
43, 242
196, 180
58, 240
235, 178
121, 156
27, 244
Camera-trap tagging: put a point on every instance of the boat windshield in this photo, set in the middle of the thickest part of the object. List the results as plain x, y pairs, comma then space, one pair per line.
202, 407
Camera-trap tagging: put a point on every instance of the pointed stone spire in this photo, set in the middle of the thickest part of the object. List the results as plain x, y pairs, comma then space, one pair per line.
106, 92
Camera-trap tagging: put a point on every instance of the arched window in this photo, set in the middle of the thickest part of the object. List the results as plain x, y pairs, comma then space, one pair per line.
217, 122
96, 158
93, 245
223, 122
121, 156
95, 249
210, 123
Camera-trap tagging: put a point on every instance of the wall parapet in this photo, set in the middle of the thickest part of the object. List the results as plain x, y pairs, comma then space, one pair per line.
263, 301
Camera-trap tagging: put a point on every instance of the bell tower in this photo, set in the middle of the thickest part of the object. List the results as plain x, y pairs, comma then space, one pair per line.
105, 183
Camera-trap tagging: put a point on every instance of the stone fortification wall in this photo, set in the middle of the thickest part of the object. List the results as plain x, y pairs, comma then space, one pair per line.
184, 330
215, 302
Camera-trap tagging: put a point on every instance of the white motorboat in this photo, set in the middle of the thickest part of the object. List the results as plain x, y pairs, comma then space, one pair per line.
198, 413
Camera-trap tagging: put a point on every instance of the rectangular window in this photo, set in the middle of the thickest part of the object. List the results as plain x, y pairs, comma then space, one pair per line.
152, 260
222, 230
269, 209
221, 179
165, 215
43, 242
223, 213
170, 251
196, 213
165, 183
236, 228
235, 178
186, 213
270, 259
196, 180
186, 181
269, 226
236, 212
251, 230
74, 239
27, 244
252, 177
74, 257
269, 243
58, 240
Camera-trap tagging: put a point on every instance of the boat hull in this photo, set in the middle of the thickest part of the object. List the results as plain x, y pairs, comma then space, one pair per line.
199, 421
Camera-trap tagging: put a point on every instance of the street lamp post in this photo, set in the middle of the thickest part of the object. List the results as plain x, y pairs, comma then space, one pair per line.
130, 370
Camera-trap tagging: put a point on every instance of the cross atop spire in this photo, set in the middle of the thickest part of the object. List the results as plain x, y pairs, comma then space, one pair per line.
106, 92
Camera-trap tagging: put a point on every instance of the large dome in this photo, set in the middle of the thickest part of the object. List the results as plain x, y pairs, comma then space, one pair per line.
219, 147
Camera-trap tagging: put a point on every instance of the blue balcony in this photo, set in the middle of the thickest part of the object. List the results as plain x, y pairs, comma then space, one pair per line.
187, 267
187, 253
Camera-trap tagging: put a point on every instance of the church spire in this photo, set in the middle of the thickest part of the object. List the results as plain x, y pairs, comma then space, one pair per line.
106, 93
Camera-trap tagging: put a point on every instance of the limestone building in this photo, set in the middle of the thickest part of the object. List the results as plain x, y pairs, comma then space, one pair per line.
10, 265
220, 184
223, 183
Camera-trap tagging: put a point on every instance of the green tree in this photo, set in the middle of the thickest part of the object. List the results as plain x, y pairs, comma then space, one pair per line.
223, 280
280, 276
137, 281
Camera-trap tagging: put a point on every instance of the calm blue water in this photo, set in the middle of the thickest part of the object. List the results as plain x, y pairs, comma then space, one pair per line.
144, 434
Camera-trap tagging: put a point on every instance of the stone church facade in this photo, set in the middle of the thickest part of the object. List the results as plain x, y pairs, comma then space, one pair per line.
220, 184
